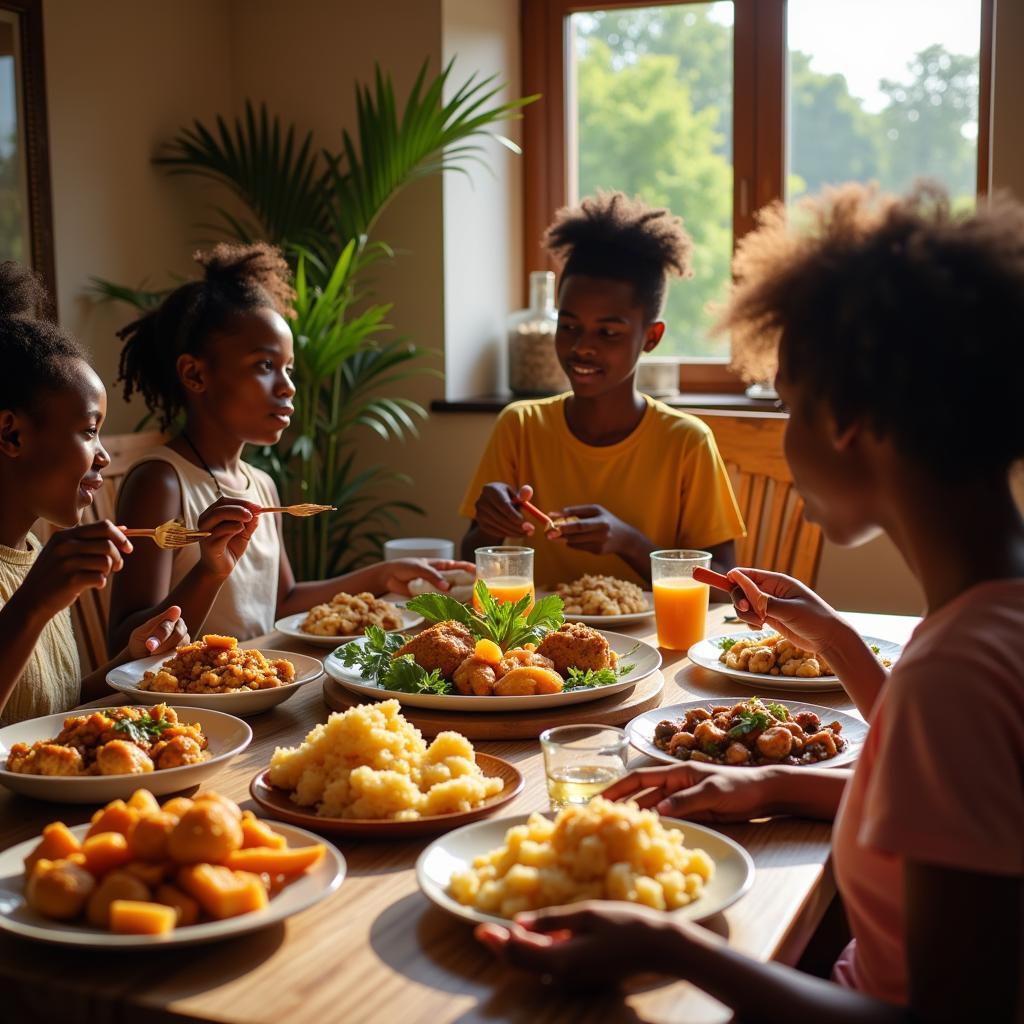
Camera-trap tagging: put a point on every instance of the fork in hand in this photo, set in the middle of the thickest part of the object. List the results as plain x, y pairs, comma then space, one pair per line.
169, 535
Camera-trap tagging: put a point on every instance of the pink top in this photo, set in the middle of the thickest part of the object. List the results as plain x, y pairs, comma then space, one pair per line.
941, 778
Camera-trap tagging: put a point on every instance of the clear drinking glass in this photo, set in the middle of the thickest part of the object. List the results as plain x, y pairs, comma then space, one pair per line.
581, 761
680, 602
508, 572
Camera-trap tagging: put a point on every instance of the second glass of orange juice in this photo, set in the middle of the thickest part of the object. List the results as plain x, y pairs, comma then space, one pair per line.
680, 602
508, 572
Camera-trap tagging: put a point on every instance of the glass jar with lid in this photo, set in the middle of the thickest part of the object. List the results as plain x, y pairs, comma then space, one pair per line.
533, 367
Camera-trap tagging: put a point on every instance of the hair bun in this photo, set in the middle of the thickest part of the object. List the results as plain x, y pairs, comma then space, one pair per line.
242, 267
21, 292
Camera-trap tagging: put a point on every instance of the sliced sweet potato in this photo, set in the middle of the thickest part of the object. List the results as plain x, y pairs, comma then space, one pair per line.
137, 917
265, 859
222, 892
186, 908
144, 802
258, 833
177, 806
117, 816
151, 873
118, 885
215, 640
104, 852
58, 841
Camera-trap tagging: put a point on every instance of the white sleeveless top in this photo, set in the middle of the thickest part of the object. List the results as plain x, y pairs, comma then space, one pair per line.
247, 601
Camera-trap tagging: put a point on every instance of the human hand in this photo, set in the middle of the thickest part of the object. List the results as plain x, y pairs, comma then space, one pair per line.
594, 939
395, 577
231, 523
700, 792
787, 606
164, 632
593, 528
73, 561
498, 513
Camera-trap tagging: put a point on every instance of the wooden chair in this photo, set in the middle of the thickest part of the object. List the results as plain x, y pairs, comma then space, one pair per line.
781, 540
91, 611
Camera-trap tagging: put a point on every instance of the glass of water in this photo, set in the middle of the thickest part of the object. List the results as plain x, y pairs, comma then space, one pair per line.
581, 761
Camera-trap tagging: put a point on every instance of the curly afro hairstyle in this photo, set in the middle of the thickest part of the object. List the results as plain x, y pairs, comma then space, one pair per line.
611, 235
35, 352
236, 279
901, 312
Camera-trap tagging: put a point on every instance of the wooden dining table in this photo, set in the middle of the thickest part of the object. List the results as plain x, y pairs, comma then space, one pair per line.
376, 949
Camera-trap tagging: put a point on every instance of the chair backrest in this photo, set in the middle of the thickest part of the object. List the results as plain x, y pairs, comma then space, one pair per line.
91, 612
778, 536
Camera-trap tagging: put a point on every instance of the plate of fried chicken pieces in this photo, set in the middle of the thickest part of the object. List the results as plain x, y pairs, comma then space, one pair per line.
569, 665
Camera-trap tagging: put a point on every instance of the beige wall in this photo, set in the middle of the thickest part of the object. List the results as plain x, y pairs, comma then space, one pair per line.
122, 75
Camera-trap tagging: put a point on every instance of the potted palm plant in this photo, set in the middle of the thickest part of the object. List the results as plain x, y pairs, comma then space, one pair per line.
321, 207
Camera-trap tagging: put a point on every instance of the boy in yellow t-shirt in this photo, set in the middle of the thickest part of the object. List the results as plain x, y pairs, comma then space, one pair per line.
636, 475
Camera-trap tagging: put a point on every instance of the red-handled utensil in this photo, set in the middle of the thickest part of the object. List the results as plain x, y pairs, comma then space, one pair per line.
713, 579
531, 510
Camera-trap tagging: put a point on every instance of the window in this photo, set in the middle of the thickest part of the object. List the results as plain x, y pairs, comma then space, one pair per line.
717, 107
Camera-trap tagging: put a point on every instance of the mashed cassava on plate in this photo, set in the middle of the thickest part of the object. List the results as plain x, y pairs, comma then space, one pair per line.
369, 762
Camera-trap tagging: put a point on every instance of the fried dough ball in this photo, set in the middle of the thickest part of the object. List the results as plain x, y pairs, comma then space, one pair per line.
762, 659
576, 645
177, 751
445, 646
59, 889
45, 759
119, 757
475, 677
207, 831
148, 840
708, 735
775, 742
737, 753
118, 885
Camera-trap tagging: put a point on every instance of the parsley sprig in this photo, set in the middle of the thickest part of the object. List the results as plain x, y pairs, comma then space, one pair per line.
144, 730
374, 658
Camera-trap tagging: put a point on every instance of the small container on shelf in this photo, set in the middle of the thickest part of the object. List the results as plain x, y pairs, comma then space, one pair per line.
533, 367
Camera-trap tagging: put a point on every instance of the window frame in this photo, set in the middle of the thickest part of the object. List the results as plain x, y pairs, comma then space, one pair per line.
759, 121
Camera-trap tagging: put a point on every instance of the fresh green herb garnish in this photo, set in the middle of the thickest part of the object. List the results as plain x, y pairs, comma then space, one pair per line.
582, 678
876, 649
408, 677
726, 643
508, 625
374, 658
748, 721
143, 730
780, 711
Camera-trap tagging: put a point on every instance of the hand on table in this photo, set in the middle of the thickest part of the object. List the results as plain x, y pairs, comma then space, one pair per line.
164, 632
395, 577
499, 515
698, 792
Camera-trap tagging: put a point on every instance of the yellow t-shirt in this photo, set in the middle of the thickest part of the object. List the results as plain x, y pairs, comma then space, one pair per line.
666, 479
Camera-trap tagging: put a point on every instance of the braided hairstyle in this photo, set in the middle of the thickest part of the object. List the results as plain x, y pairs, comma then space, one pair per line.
236, 279
902, 312
611, 235
34, 351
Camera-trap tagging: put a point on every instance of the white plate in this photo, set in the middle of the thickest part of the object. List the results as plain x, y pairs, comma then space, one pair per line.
645, 659
609, 620
641, 729
227, 737
291, 625
126, 678
454, 851
18, 919
706, 654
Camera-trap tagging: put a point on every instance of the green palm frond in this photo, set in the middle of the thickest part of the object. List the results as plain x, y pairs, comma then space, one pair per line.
142, 299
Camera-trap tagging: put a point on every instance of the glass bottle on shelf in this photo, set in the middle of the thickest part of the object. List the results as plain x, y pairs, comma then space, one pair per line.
533, 367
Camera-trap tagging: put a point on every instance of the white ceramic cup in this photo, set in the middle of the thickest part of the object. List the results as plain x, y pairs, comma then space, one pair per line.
418, 547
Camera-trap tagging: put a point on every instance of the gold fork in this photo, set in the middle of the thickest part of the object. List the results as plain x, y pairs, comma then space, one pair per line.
169, 535
306, 509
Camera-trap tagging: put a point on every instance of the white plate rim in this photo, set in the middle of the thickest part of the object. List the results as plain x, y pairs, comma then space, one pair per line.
462, 703
290, 626
639, 741
625, 619
164, 773
704, 653
57, 933
437, 895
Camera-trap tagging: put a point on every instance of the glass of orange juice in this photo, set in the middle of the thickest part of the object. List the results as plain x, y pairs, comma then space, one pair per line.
508, 572
680, 602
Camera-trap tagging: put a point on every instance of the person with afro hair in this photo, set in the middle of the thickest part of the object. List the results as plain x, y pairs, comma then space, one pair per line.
893, 328
214, 363
628, 474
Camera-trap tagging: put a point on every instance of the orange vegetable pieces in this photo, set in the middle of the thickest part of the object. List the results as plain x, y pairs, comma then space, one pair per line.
222, 892
144, 802
207, 831
185, 907
258, 833
265, 860
226, 643
137, 917
487, 651
151, 873
58, 842
104, 852
177, 806
226, 802
117, 816
118, 885
148, 840
58, 889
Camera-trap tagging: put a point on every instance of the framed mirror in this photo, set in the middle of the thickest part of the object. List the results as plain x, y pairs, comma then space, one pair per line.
26, 216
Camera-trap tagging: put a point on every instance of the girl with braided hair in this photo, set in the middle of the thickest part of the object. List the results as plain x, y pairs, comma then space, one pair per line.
214, 361
629, 473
